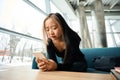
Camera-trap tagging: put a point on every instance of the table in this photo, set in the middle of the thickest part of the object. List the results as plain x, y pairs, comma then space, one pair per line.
26, 73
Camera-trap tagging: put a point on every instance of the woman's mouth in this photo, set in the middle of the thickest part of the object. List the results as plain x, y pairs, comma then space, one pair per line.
52, 36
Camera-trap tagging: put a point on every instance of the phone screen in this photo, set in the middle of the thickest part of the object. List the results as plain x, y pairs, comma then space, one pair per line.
39, 55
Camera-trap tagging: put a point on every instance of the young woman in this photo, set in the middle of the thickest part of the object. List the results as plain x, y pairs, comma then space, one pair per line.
61, 43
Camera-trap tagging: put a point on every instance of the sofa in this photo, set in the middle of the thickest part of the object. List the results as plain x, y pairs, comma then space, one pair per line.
90, 54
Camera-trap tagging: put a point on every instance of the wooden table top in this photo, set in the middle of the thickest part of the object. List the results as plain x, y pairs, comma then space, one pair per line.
26, 73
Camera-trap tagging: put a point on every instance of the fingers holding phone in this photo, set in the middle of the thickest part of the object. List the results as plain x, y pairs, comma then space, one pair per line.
42, 65
45, 64
41, 61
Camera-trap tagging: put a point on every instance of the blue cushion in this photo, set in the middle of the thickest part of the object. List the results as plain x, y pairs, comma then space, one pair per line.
34, 64
90, 53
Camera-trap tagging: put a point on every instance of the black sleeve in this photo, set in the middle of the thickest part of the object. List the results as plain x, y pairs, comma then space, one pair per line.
63, 67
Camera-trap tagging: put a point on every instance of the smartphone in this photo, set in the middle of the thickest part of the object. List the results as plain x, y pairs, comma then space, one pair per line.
39, 55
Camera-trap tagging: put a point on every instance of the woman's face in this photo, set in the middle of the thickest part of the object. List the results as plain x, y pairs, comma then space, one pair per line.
53, 29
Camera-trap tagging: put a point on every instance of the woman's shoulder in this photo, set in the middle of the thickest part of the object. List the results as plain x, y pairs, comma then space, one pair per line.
75, 36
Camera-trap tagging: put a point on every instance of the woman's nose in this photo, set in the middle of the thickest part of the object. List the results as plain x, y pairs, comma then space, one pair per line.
51, 32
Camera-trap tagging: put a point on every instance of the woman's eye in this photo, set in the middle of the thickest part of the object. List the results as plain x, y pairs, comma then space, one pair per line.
54, 27
47, 29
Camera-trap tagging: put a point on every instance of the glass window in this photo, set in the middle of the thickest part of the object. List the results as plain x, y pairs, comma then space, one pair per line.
20, 17
53, 8
40, 4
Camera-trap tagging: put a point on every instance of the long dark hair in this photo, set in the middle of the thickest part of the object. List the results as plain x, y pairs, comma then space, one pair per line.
67, 31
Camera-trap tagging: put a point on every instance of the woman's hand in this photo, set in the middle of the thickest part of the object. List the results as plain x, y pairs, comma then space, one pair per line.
46, 64
52, 65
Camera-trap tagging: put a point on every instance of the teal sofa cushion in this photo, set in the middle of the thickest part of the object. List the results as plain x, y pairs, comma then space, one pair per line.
34, 64
91, 53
